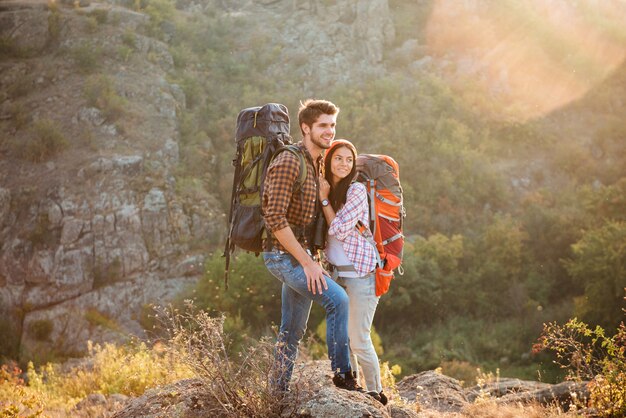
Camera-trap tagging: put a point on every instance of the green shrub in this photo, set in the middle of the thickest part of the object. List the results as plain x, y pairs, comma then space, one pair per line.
100, 15
103, 276
87, 57
124, 52
40, 329
9, 344
129, 38
590, 354
97, 318
45, 140
19, 115
100, 92
21, 87
253, 294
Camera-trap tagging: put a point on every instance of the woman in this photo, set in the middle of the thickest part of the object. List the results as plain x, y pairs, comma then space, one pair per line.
351, 257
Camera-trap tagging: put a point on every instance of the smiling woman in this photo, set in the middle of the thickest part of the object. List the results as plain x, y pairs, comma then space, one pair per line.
539, 55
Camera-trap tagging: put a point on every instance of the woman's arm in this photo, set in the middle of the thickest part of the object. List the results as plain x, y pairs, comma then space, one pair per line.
346, 218
329, 212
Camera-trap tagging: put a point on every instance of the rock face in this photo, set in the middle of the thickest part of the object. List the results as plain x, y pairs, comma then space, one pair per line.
326, 42
89, 238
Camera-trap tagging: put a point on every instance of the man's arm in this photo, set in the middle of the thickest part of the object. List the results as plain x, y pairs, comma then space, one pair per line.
279, 182
315, 279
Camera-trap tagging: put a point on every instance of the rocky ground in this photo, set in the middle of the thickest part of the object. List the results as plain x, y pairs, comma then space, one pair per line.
427, 394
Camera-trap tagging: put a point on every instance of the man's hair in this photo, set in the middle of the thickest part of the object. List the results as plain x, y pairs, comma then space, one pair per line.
311, 109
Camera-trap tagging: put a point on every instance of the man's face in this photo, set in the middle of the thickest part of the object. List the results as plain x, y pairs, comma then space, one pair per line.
322, 132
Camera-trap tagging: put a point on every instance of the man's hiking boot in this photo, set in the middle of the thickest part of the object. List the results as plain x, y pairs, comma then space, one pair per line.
347, 381
379, 396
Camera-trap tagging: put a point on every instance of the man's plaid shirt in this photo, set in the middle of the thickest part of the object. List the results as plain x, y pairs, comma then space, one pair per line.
281, 207
361, 253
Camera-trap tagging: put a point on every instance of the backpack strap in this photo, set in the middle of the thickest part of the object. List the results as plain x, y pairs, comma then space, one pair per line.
295, 150
361, 228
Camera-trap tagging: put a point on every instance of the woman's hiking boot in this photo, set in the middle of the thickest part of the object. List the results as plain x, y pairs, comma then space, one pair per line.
347, 381
379, 396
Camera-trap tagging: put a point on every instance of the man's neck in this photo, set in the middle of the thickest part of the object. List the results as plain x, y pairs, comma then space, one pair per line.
313, 149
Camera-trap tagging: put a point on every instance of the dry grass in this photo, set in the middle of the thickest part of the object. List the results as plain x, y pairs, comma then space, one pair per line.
238, 386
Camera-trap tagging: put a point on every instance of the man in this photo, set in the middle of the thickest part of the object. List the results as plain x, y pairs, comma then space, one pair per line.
289, 218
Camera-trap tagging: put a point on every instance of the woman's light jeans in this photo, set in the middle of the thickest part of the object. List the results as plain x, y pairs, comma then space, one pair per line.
363, 303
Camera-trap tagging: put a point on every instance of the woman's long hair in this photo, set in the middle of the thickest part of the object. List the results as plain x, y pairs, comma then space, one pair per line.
337, 196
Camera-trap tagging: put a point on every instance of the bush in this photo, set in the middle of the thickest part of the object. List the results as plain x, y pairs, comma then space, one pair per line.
97, 318
45, 140
129, 370
41, 329
101, 16
253, 294
87, 57
100, 92
19, 115
241, 387
589, 354
15, 399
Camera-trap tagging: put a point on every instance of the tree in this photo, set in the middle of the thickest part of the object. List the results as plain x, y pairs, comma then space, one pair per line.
599, 265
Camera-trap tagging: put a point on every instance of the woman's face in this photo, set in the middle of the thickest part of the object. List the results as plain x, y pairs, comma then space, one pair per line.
341, 164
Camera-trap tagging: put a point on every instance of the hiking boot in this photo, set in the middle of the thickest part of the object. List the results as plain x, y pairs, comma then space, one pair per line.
379, 396
347, 381
374, 395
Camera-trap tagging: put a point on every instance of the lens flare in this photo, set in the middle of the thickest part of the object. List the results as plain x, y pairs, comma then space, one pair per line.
529, 56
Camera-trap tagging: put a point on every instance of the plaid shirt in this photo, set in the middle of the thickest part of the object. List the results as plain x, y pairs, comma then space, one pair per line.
281, 207
360, 252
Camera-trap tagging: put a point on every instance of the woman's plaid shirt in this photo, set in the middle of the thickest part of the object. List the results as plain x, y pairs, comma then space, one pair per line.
360, 252
281, 207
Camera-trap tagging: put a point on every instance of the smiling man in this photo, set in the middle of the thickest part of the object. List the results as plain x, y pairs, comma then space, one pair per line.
289, 218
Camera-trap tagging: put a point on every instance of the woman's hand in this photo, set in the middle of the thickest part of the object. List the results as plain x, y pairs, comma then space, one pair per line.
324, 188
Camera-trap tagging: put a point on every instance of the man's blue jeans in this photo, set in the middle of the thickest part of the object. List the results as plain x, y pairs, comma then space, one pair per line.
296, 306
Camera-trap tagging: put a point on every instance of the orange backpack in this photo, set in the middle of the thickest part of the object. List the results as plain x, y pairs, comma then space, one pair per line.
381, 176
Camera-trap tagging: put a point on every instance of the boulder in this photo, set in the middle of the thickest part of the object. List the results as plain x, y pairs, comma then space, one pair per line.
561, 393
502, 387
432, 390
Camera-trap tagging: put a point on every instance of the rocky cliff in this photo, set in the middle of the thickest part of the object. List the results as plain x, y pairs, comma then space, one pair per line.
92, 224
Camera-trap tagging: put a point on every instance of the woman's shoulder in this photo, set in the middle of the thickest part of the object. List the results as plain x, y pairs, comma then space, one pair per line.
356, 187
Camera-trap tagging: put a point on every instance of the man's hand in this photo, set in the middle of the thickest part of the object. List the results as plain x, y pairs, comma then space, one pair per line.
315, 279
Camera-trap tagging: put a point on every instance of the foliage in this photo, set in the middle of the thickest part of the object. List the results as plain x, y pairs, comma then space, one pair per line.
97, 318
253, 293
101, 15
589, 354
238, 386
44, 140
40, 329
87, 57
128, 370
100, 92
159, 11
15, 399
106, 275
599, 265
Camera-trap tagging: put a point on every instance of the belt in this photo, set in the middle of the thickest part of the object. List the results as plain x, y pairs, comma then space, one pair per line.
341, 269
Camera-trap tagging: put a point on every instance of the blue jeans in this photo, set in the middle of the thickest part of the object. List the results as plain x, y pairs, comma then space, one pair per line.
295, 309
